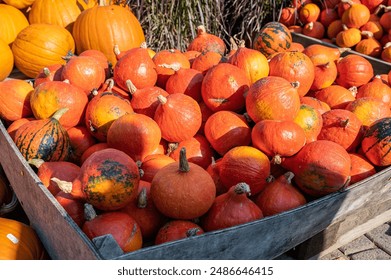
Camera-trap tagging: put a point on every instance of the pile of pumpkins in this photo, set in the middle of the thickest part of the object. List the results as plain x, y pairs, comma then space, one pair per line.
362, 25
157, 146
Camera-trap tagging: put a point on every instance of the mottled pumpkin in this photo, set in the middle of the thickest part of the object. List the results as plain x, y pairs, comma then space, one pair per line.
272, 38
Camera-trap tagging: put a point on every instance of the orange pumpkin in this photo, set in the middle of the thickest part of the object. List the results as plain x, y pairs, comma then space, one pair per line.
361, 168
176, 230
81, 139
273, 37
336, 96
310, 12
6, 60
206, 61
153, 163
19, 4
376, 88
369, 45
12, 22
348, 37
314, 29
369, 110
310, 120
353, 70
106, 18
315, 103
205, 42
356, 15
41, 45
186, 81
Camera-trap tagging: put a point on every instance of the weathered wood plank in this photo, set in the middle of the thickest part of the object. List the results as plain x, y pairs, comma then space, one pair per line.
60, 235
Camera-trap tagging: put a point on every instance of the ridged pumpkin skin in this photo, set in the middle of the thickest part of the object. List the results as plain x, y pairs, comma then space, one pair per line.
183, 190
225, 130
353, 70
135, 134
44, 139
376, 142
15, 99
12, 22
108, 180
128, 32
19, 241
343, 127
19, 4
310, 120
186, 81
40, 45
223, 88
58, 12
6, 60
144, 100
278, 138
272, 98
273, 37
318, 173
361, 168
244, 164
356, 15
49, 97
376, 88
335, 96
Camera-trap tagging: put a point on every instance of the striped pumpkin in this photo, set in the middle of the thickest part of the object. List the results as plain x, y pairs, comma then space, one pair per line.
44, 139
272, 38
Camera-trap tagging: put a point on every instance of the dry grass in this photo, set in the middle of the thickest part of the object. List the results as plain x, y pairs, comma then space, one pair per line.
172, 23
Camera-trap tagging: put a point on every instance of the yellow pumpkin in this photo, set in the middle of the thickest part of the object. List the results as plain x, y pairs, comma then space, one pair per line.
12, 22
60, 12
19, 4
19, 241
41, 45
6, 60
104, 26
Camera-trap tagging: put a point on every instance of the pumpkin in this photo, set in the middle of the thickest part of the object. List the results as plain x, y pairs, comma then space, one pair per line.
278, 138
59, 12
153, 163
314, 29
74, 208
321, 54
183, 190
81, 139
198, 150
369, 110
14, 126
101, 58
108, 180
49, 97
369, 46
176, 230
101, 112
361, 168
6, 60
325, 75
62, 170
272, 98
376, 88
343, 127
40, 45
335, 96
206, 61
19, 241
288, 16
372, 5
309, 13
386, 53
186, 81
385, 18
328, 15
137, 66
44, 139
253, 62
348, 37
92, 149
164, 60
334, 28
294, 67
272, 38
315, 103
124, 229
374, 27
318, 174
253, 164
107, 18
145, 213
205, 42
279, 196
356, 15
226, 129
49, 73
84, 72
15, 99
12, 22
178, 116
310, 120
223, 88
19, 4
231, 209
353, 70
135, 134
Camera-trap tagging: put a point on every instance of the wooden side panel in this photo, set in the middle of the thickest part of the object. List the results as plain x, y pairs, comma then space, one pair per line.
61, 237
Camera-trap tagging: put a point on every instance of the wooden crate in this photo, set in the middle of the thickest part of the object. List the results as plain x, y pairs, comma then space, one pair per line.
263, 239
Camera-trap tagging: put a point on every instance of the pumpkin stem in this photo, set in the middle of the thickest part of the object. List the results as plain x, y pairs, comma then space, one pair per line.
142, 198
233, 45
65, 186
241, 188
192, 232
68, 56
7, 208
183, 162
289, 176
353, 90
387, 45
143, 45
175, 67
379, 8
89, 212
324, 65
58, 114
270, 179
102, 3
344, 123
37, 162
276, 159
171, 147
116, 50
201, 30
342, 50
295, 84
46, 71
350, 2
162, 99
131, 87
367, 34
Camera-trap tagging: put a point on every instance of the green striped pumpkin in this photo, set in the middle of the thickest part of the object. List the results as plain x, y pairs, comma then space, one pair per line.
273, 37
44, 139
